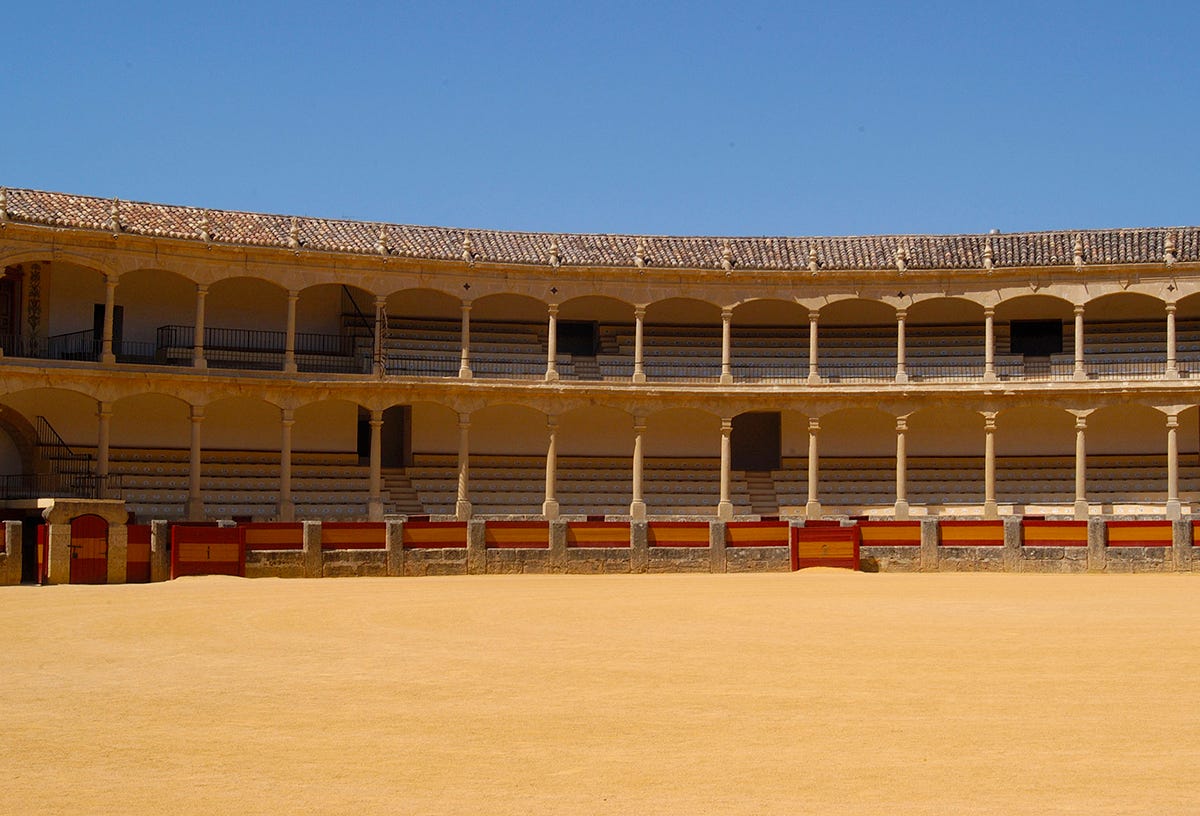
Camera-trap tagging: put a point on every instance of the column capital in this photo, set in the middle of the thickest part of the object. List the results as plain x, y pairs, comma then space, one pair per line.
293, 295
551, 423
1171, 308
813, 315
104, 409
639, 425
466, 306
989, 311
552, 309
1078, 310
726, 314
814, 425
197, 413
287, 416
110, 280
989, 421
1080, 423
1172, 421
901, 424
901, 312
639, 312
201, 289
726, 425
464, 421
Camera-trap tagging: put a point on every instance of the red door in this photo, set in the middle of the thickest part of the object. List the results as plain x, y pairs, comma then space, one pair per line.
89, 550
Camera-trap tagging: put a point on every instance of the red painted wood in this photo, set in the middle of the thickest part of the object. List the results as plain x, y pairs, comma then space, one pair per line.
43, 553
137, 559
757, 534
839, 547
207, 551
353, 535
89, 550
272, 535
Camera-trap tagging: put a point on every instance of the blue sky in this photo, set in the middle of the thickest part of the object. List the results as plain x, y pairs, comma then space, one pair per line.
737, 119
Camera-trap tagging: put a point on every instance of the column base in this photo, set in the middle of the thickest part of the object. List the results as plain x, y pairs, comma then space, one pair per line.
287, 511
725, 510
200, 363
901, 510
108, 359
1079, 374
550, 509
462, 510
639, 377
1172, 373
989, 376
637, 510
812, 509
464, 373
290, 368
1173, 511
990, 511
1081, 510
814, 379
194, 509
375, 509
726, 379
551, 376
901, 377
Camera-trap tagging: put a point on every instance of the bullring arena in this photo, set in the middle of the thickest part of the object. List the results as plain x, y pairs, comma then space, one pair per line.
190, 397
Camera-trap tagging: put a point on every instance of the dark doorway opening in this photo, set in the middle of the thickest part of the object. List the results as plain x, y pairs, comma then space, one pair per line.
578, 337
756, 441
396, 436
1036, 338
364, 436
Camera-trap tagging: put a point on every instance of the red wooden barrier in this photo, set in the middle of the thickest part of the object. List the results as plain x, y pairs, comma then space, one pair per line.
272, 535
677, 534
972, 533
598, 534
1037, 533
529, 535
1139, 533
89, 550
137, 557
825, 547
207, 551
435, 535
890, 533
353, 535
757, 534
43, 553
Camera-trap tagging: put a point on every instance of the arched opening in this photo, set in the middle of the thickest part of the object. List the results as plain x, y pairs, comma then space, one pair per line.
682, 468
1127, 458
597, 334
595, 465
149, 452
769, 341
335, 328
857, 459
147, 301
508, 459
1035, 465
424, 335
1125, 334
508, 337
856, 339
945, 457
682, 340
944, 339
433, 472
245, 324
51, 310
1035, 337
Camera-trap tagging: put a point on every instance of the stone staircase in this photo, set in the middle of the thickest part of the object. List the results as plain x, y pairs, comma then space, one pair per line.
586, 368
401, 495
761, 489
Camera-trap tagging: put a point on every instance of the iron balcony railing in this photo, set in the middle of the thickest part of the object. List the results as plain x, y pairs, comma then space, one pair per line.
60, 485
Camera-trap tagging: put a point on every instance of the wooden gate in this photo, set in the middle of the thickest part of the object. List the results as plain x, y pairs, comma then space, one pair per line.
207, 551
825, 547
89, 550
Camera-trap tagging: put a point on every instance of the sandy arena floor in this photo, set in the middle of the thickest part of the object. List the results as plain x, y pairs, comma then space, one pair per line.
817, 692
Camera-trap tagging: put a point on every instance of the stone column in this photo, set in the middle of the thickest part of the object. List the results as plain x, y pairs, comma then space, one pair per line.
118, 553
464, 365
58, 553
726, 346
110, 304
287, 508
989, 344
379, 350
989, 466
637, 507
13, 553
1081, 502
462, 506
1173, 508
552, 343
812, 509
394, 540
550, 505
195, 501
639, 320
375, 500
901, 370
1080, 370
160, 556
814, 376
314, 558
1172, 371
198, 360
725, 505
901, 511
104, 414
289, 340
717, 551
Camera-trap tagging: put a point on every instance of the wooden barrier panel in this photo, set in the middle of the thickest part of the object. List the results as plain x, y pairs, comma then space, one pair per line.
89, 550
524, 535
43, 553
353, 535
273, 535
1054, 533
598, 534
1139, 533
972, 533
207, 551
435, 535
825, 547
137, 558
757, 534
677, 534
890, 533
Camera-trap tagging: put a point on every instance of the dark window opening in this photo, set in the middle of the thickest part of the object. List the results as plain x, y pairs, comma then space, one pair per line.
756, 441
1036, 338
577, 337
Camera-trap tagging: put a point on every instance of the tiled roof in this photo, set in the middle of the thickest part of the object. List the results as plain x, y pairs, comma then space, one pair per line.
871, 252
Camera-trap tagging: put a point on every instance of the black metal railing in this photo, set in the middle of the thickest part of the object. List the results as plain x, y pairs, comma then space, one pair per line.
258, 350
60, 485
439, 365
54, 449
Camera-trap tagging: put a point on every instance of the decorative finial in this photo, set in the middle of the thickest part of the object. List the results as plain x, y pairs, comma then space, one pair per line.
114, 216
901, 259
812, 259
381, 246
1078, 252
294, 234
205, 228
3, 203
1169, 251
468, 250
727, 257
639, 254
987, 256
555, 259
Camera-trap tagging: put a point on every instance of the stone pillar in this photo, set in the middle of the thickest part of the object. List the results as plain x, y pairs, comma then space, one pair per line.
639, 546
103, 434
812, 509
814, 375
287, 508
552, 343
726, 346
550, 505
1181, 544
289, 339
462, 505
725, 505
476, 547
198, 360
118, 553
716, 546
1097, 546
639, 320
394, 540
901, 511
375, 499
314, 560
160, 551
1011, 556
464, 365
1173, 509
1080, 370
989, 344
14, 552
931, 539
195, 500
1172, 370
1081, 502
901, 369
637, 507
378, 349
558, 545
106, 338
58, 556
989, 466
